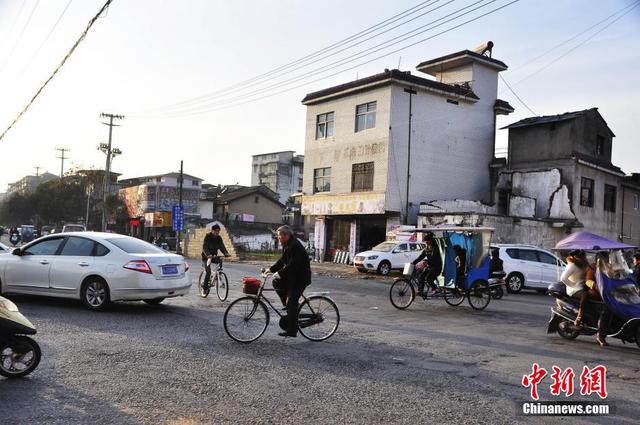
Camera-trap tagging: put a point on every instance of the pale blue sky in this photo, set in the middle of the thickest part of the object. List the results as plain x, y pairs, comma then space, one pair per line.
148, 53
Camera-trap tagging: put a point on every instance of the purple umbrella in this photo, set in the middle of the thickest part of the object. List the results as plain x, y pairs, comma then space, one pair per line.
589, 242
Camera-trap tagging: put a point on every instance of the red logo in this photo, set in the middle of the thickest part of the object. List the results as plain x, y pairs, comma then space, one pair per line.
592, 381
537, 375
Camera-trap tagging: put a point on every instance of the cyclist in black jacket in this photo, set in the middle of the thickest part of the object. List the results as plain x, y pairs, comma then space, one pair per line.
210, 247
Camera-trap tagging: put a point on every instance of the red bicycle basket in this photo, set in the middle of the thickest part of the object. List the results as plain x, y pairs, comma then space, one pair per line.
250, 285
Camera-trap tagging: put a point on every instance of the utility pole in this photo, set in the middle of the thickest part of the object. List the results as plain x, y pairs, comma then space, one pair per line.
106, 148
178, 241
406, 207
62, 158
37, 170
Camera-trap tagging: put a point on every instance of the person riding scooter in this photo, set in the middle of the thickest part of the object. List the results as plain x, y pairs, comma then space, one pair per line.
574, 277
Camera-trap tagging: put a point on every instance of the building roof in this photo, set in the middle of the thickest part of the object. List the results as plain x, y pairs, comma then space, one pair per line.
271, 153
385, 78
455, 60
597, 161
550, 119
503, 105
143, 179
247, 191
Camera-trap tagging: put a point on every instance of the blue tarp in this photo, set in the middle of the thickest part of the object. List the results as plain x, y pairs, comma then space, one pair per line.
622, 296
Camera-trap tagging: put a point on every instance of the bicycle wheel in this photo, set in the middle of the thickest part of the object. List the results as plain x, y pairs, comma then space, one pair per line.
222, 286
454, 296
318, 318
479, 295
401, 294
246, 319
203, 290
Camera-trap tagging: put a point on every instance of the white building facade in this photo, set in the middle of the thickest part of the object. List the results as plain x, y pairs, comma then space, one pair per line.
372, 141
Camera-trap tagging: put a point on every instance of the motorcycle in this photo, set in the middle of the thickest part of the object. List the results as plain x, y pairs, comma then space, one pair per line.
19, 354
616, 291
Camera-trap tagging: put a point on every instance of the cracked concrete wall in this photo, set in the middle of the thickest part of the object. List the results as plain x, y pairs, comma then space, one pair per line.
457, 205
560, 205
522, 206
539, 185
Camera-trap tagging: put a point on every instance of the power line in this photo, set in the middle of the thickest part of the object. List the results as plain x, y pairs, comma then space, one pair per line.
24, 28
516, 95
55, 71
571, 39
342, 42
208, 107
565, 54
291, 70
55, 25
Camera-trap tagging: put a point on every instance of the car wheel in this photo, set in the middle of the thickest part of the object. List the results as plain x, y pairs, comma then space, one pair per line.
515, 283
95, 293
384, 268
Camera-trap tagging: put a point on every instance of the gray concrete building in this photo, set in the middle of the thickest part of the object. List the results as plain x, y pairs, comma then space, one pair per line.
279, 171
28, 184
378, 146
630, 219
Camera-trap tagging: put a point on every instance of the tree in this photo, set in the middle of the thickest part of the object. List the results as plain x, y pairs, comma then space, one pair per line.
60, 201
18, 209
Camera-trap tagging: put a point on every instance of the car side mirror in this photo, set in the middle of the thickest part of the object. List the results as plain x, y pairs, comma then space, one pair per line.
17, 252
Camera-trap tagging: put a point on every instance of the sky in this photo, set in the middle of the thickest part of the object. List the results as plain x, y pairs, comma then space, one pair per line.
144, 55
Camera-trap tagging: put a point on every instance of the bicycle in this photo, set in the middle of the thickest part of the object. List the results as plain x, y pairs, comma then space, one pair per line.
218, 276
246, 319
403, 292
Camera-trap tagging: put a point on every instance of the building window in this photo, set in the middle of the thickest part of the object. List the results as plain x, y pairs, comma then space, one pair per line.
322, 180
299, 184
256, 199
194, 182
324, 125
586, 192
600, 146
636, 202
362, 177
365, 116
610, 198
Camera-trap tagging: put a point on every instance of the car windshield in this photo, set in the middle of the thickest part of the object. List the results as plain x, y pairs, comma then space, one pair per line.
135, 246
384, 247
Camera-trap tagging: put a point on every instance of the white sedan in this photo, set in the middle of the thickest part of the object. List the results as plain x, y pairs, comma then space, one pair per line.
96, 268
386, 256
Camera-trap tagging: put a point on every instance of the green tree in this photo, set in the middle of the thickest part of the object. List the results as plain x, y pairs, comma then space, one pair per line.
18, 209
60, 201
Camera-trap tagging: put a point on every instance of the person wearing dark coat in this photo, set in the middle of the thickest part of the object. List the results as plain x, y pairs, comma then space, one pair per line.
636, 267
210, 246
431, 265
291, 275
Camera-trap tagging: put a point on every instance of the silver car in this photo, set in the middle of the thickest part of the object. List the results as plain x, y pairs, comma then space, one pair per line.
96, 268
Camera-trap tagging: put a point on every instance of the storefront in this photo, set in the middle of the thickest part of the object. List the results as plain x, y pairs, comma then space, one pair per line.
352, 223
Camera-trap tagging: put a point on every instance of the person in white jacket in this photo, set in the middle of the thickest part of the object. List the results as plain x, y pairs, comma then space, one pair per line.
574, 277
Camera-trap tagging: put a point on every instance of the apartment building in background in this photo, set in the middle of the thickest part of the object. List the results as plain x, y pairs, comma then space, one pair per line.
28, 184
279, 171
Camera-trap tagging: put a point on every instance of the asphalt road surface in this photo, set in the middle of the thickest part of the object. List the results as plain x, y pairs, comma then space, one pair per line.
431, 363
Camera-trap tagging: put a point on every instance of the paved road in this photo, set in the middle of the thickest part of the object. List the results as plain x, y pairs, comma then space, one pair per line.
173, 364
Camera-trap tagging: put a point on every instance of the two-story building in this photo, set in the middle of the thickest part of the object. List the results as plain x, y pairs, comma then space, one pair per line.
279, 171
378, 146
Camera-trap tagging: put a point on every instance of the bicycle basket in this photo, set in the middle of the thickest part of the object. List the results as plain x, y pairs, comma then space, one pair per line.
250, 285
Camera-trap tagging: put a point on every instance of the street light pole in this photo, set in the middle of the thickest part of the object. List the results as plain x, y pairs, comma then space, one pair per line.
406, 207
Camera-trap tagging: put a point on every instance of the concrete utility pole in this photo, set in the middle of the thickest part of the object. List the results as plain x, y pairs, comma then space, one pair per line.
37, 170
406, 207
106, 148
178, 242
62, 158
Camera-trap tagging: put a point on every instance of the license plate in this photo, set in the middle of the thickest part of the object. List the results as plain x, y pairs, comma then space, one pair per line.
169, 269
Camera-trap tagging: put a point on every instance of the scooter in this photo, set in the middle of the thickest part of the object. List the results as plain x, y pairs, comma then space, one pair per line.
19, 354
564, 314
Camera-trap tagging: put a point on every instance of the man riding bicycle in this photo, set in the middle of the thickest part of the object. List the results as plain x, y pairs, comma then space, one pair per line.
291, 275
210, 247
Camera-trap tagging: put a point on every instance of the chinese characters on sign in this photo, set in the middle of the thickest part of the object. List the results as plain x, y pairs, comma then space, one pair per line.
177, 218
592, 381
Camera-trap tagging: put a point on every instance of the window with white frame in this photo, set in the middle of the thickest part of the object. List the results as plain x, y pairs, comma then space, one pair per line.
366, 116
324, 125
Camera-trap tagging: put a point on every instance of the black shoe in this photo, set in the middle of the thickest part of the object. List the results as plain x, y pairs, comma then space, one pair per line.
285, 334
